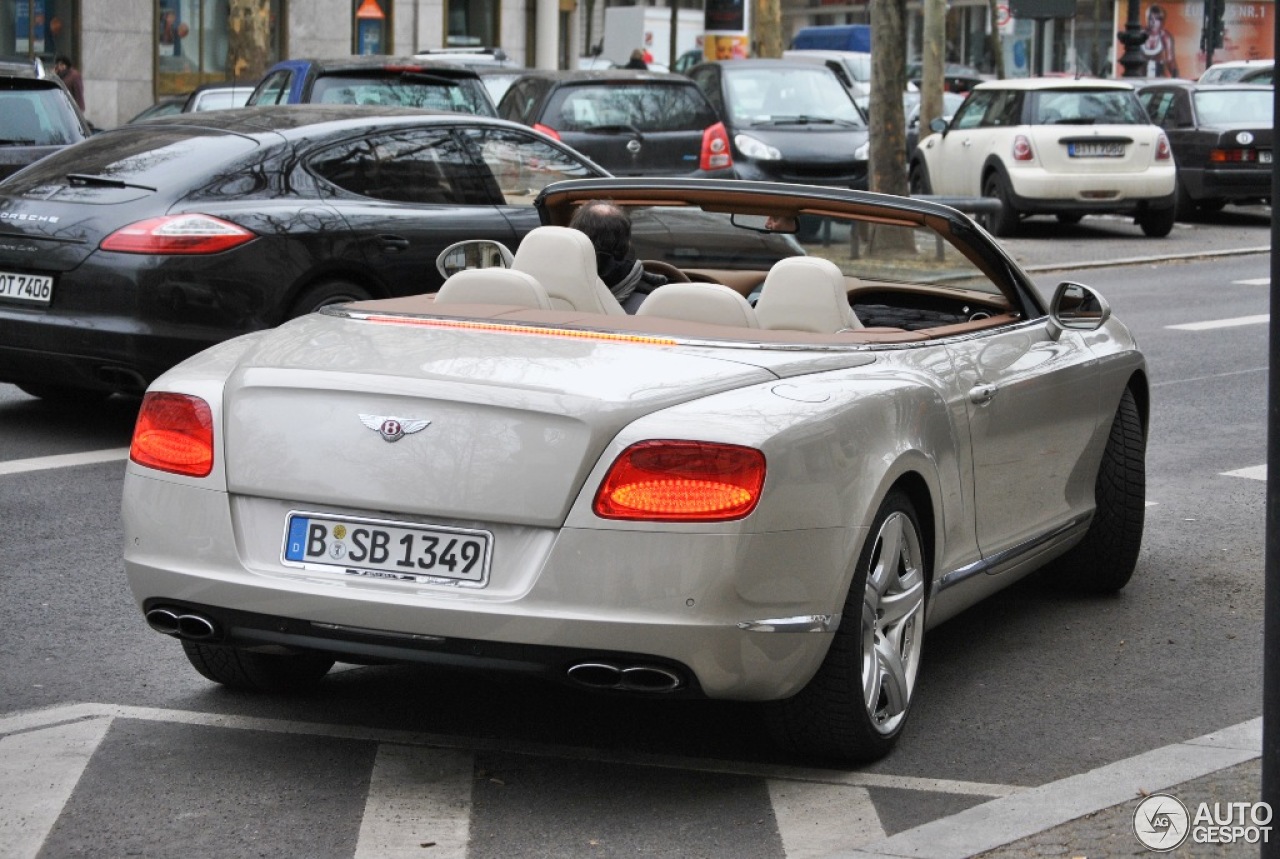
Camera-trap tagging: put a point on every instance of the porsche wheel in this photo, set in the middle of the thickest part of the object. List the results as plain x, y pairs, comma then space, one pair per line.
262, 672
1103, 562
855, 707
1005, 222
326, 293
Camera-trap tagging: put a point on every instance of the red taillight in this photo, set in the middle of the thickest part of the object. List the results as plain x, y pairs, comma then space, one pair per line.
177, 234
1233, 156
547, 130
174, 433
1022, 150
1163, 152
716, 154
682, 481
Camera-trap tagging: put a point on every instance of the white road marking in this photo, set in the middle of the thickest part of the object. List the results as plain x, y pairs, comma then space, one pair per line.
38, 771
418, 797
64, 460
816, 819
1257, 472
1260, 319
1254, 281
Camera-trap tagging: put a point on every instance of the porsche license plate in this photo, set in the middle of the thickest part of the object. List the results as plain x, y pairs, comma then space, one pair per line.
1095, 150
393, 551
34, 288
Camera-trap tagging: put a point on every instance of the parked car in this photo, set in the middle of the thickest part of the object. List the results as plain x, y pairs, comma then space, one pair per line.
634, 123
951, 102
165, 105
37, 115
1238, 71
1051, 146
210, 96
955, 76
498, 79
706, 499
1222, 140
196, 228
788, 121
852, 67
375, 80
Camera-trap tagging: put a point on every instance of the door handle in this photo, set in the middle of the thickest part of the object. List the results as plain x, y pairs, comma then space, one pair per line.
393, 244
982, 393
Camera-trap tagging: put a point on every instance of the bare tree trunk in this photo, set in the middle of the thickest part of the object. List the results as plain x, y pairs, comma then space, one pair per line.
768, 28
931, 77
248, 38
888, 167
997, 50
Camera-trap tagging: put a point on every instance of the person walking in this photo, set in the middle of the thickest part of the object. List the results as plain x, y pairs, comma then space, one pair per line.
66, 70
637, 60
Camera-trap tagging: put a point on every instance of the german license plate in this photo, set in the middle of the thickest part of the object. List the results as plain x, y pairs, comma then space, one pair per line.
392, 551
1095, 150
1264, 156
35, 288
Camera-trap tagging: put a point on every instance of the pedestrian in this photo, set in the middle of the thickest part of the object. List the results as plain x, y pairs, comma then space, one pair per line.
637, 60
66, 70
609, 228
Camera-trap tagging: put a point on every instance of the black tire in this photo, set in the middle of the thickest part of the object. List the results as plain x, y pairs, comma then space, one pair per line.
260, 672
1157, 223
325, 293
1005, 222
1069, 217
1183, 206
64, 395
1104, 561
853, 711
918, 179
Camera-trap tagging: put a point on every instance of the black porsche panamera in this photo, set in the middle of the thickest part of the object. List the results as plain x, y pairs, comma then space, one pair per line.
125, 254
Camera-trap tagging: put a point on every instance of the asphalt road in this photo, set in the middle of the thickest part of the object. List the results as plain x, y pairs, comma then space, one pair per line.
132, 753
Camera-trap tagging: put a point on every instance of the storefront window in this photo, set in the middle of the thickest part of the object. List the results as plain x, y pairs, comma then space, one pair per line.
472, 23
40, 29
372, 28
192, 42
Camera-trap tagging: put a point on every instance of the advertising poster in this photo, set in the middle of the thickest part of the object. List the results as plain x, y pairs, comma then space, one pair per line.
28, 27
726, 23
172, 29
726, 46
1172, 48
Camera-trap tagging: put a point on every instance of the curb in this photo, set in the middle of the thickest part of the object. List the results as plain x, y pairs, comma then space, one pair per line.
1143, 260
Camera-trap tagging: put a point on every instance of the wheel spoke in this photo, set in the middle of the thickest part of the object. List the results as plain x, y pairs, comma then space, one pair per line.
881, 576
892, 681
895, 608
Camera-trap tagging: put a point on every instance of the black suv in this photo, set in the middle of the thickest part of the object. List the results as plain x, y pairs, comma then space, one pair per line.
39, 116
632, 123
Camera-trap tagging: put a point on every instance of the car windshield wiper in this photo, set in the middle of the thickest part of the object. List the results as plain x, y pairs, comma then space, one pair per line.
17, 141
1079, 120
103, 181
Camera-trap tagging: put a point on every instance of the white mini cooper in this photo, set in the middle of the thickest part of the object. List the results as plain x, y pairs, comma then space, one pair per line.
1051, 146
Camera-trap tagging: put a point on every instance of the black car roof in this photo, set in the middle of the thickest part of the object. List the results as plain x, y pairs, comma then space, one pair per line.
286, 118
608, 76
365, 62
765, 63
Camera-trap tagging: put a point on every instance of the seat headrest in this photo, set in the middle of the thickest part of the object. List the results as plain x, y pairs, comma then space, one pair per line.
709, 303
563, 260
805, 294
493, 286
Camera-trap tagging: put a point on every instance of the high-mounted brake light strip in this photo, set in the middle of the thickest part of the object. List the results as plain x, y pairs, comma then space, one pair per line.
507, 328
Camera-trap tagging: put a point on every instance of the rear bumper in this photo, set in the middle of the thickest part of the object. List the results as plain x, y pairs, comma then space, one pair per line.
1228, 185
1037, 191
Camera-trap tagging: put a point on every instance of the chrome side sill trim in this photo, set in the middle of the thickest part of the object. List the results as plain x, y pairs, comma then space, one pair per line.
1013, 553
802, 623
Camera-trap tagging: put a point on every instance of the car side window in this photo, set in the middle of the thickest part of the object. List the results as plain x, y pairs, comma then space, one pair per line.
1005, 110
522, 165
419, 167
1158, 105
274, 89
706, 81
518, 103
971, 113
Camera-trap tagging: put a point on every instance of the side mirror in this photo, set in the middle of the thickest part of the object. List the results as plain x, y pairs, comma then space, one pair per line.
1076, 307
473, 253
938, 125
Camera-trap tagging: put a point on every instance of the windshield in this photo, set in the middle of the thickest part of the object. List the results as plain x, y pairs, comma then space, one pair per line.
37, 117
408, 89
641, 106
1087, 107
763, 96
1235, 106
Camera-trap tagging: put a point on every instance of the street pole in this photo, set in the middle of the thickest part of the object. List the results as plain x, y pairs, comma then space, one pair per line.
1132, 37
1270, 848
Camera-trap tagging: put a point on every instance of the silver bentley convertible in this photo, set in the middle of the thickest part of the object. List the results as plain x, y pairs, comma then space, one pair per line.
764, 485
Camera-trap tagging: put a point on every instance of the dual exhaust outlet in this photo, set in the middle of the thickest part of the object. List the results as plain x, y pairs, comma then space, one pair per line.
182, 624
627, 678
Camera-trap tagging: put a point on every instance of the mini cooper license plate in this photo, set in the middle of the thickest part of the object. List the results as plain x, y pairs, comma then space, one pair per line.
1095, 150
33, 288
392, 551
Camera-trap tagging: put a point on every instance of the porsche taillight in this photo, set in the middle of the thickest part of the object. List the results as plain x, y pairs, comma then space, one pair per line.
178, 234
547, 130
174, 433
716, 154
1022, 150
682, 481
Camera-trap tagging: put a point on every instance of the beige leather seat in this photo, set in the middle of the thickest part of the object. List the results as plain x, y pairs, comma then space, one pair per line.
563, 260
805, 294
710, 303
493, 286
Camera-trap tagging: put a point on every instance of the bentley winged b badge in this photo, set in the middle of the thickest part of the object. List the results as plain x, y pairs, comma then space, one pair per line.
393, 429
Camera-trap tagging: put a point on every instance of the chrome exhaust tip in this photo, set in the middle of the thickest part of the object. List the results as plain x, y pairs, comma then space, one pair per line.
163, 620
597, 675
185, 625
633, 678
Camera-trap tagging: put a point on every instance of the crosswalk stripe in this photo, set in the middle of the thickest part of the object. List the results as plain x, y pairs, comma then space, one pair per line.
816, 820
63, 460
418, 798
1257, 472
1254, 281
1223, 323
38, 771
